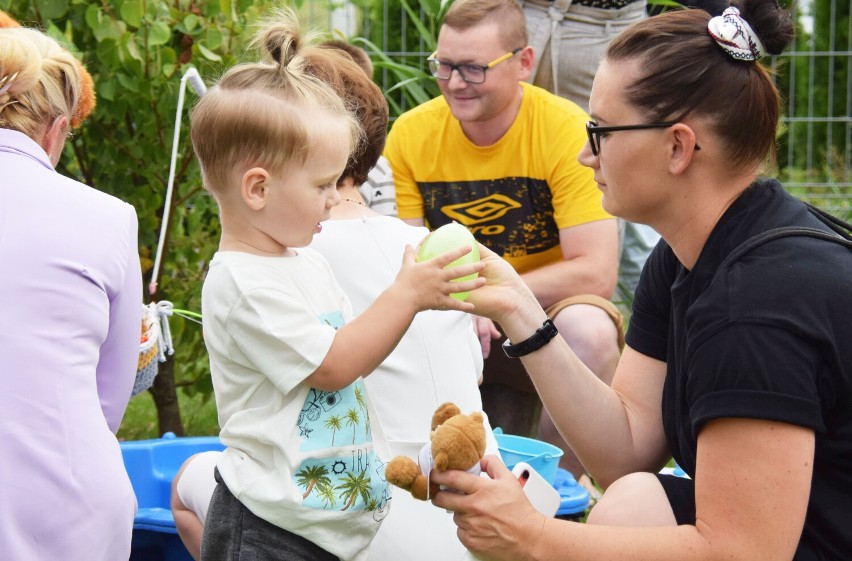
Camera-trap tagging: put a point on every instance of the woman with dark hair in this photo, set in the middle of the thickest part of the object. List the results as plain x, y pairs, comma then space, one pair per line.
737, 362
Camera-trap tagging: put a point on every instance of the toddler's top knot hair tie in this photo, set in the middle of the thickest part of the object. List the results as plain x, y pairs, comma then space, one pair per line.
735, 36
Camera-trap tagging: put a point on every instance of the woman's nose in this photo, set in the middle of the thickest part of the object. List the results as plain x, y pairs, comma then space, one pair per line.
586, 158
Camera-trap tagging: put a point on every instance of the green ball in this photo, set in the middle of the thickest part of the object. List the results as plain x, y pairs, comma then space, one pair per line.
447, 238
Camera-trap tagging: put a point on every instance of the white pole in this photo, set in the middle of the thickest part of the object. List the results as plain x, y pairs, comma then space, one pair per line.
197, 83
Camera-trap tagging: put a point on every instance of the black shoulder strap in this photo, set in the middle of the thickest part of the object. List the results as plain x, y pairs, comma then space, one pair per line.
836, 224
841, 236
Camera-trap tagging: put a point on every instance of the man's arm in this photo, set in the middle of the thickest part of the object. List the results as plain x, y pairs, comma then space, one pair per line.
589, 265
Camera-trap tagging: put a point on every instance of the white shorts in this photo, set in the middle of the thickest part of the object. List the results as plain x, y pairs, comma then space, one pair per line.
196, 484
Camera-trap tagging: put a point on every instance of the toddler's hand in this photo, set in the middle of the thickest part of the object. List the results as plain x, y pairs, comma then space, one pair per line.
429, 284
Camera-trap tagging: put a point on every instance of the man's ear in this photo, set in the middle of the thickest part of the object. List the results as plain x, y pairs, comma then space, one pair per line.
253, 188
683, 148
527, 57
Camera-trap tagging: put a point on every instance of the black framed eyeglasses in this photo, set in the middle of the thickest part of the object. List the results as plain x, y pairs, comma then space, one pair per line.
596, 132
470, 73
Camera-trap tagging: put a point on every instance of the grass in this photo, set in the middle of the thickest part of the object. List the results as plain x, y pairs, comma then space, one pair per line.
198, 413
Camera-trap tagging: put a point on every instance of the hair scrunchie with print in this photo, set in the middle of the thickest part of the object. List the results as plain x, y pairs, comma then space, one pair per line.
736, 36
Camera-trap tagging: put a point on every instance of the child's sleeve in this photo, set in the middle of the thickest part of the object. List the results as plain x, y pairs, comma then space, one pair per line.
278, 334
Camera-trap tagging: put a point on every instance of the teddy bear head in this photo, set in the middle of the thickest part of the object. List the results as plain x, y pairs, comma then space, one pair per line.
459, 442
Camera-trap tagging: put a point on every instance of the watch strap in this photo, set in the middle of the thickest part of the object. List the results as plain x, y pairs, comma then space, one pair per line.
537, 340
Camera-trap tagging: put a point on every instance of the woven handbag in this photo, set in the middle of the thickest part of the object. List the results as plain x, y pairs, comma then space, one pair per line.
155, 344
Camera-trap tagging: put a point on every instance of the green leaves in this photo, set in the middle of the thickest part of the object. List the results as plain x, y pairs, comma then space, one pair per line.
665, 4
414, 84
51, 9
411, 84
213, 38
131, 12
106, 90
207, 53
190, 23
159, 34
102, 26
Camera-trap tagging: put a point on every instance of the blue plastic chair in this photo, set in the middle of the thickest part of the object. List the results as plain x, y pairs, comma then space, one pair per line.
152, 465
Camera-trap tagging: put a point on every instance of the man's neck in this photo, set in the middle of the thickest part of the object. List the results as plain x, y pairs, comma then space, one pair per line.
486, 133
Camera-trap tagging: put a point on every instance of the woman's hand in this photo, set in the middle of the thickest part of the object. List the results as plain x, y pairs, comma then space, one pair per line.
504, 292
494, 517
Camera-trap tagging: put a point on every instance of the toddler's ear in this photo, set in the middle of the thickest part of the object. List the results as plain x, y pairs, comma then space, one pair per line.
253, 188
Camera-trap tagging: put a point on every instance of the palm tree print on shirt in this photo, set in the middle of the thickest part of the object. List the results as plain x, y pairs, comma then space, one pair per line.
336, 475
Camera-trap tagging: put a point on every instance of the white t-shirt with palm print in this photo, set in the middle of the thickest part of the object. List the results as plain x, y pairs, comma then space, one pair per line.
301, 458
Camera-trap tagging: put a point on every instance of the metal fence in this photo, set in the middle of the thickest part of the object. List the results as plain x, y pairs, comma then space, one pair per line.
814, 77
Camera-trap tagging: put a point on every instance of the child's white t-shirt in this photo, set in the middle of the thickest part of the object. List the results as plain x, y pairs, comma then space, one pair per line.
300, 458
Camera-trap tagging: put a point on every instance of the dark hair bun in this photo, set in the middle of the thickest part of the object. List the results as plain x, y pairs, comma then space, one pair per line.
772, 23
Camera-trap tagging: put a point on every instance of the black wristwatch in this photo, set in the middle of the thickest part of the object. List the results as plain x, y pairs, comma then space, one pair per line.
536, 341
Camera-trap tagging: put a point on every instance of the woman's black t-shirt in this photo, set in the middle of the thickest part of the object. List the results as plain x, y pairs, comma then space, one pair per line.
767, 337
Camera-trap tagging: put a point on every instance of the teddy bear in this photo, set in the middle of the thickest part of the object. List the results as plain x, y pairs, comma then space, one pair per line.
457, 441
87, 100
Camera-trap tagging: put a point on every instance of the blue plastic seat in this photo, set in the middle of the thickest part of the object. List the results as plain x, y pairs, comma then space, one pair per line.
152, 465
575, 498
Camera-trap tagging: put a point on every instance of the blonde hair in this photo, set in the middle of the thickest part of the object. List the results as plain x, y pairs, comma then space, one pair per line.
41, 81
268, 113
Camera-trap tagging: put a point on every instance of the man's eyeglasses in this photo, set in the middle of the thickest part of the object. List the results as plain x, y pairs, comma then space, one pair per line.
470, 73
596, 132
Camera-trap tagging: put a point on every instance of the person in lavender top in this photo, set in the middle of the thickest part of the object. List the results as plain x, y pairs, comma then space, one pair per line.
70, 291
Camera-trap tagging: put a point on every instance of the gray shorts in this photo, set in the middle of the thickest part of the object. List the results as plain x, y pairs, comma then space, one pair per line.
233, 533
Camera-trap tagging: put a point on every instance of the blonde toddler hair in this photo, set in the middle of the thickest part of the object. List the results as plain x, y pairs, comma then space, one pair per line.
269, 113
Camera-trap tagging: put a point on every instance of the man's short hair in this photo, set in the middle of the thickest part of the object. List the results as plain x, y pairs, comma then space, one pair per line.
464, 14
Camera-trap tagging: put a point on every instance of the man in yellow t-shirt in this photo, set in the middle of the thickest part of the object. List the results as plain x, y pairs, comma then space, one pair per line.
500, 156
